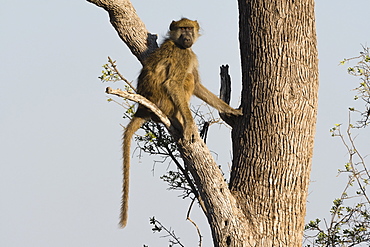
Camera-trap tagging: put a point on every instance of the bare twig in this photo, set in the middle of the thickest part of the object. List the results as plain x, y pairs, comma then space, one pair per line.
114, 67
196, 226
158, 226
352, 151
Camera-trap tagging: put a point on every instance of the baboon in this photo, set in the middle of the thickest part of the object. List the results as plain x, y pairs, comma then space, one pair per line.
169, 78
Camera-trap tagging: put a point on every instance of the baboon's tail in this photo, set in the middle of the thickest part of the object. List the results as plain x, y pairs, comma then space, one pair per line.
130, 130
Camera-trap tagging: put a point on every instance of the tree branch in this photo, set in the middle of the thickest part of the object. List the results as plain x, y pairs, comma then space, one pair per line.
225, 89
143, 101
225, 92
129, 27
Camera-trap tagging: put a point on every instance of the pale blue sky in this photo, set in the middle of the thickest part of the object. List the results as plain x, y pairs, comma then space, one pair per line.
60, 165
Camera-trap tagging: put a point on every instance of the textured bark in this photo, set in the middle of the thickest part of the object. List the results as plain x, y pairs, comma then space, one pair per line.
228, 224
273, 144
264, 204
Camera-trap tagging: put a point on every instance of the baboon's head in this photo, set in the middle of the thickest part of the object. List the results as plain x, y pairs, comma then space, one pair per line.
184, 32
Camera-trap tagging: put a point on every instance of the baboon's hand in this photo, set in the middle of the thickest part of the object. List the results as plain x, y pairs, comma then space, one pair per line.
236, 112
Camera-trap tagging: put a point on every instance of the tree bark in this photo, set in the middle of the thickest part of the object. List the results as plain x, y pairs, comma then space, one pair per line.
273, 144
264, 204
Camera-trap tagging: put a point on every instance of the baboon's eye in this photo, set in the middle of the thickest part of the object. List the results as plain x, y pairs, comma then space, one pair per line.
186, 28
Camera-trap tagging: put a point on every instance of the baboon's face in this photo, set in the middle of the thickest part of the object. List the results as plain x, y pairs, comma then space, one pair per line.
184, 32
186, 37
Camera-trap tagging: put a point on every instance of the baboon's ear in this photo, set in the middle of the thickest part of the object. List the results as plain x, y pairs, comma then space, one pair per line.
172, 26
197, 25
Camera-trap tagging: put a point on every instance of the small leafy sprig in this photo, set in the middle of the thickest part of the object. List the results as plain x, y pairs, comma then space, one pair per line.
362, 70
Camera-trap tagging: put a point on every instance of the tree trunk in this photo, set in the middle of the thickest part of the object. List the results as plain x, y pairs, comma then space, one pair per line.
273, 142
273, 145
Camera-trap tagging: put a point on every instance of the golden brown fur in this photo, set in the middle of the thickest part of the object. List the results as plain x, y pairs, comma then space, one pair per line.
169, 78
